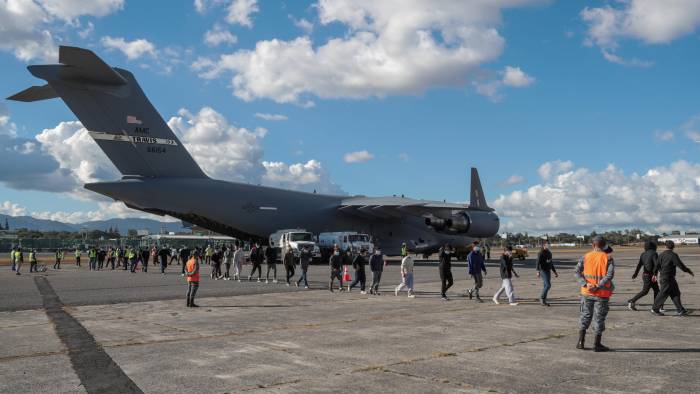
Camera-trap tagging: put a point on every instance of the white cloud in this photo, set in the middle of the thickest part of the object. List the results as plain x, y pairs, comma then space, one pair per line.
651, 21
271, 117
28, 26
300, 176
12, 209
662, 199
664, 135
691, 128
131, 49
200, 6
304, 25
388, 47
510, 76
358, 157
239, 12
554, 168
69, 10
513, 180
515, 77
219, 35
231, 153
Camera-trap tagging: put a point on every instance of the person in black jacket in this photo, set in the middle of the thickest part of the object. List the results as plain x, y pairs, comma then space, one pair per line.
445, 268
256, 258
647, 261
288, 262
335, 263
507, 272
358, 263
376, 264
668, 287
271, 257
545, 267
184, 256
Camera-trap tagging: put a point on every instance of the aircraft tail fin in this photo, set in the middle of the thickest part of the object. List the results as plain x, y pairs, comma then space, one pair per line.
477, 198
120, 118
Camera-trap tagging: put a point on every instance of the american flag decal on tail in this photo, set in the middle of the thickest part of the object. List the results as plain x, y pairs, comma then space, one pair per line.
132, 119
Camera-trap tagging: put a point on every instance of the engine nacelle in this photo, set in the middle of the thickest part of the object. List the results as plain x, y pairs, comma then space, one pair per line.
476, 224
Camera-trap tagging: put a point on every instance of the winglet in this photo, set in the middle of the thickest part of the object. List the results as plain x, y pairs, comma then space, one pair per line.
477, 198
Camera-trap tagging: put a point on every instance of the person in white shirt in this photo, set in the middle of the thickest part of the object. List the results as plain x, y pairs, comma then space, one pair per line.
238, 259
407, 275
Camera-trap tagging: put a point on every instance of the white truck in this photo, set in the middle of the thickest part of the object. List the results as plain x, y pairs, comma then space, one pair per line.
296, 239
346, 241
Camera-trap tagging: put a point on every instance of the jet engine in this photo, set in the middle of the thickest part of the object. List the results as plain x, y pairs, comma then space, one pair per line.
477, 224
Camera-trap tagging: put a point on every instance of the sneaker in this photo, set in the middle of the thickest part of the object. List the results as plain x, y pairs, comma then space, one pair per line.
182, 274
411, 296
267, 281
444, 298
479, 299
656, 313
349, 288
377, 293
631, 306
684, 312
495, 301
396, 291
363, 292
287, 284
662, 310
513, 304
306, 287
258, 280
469, 294
274, 281
250, 278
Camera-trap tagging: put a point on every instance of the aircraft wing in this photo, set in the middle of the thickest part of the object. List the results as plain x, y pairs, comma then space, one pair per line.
397, 207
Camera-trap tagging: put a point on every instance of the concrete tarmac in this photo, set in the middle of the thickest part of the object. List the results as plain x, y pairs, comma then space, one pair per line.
112, 331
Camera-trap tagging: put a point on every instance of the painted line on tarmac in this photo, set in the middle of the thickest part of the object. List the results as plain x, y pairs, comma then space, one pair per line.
97, 371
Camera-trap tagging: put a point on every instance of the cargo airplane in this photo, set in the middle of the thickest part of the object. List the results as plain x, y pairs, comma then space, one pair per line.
159, 176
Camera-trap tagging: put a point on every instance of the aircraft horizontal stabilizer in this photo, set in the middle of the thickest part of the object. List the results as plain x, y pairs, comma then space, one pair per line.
34, 93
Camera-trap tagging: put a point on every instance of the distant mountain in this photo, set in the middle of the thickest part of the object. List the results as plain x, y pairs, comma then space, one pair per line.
28, 222
31, 223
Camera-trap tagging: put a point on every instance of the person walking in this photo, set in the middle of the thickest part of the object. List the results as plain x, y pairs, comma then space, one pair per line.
32, 261
358, 264
101, 256
238, 260
335, 263
163, 254
288, 262
406, 277
647, 261
78, 253
118, 255
507, 272
184, 257
668, 286
475, 267
154, 254
215, 261
133, 257
304, 261
594, 273
256, 261
12, 258
145, 256
208, 253
59, 257
111, 257
404, 250
92, 259
228, 260
19, 259
192, 273
376, 265
174, 256
545, 268
271, 257
445, 269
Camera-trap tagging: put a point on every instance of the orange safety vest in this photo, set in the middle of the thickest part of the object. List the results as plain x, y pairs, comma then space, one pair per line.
190, 268
595, 267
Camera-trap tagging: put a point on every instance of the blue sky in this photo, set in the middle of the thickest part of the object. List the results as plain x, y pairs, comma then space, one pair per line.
588, 93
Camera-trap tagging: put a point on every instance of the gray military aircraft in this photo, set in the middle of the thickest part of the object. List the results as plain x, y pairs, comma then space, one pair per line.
159, 176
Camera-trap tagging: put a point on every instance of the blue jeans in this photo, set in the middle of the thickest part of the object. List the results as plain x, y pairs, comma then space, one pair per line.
303, 277
546, 283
